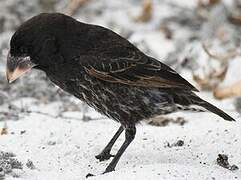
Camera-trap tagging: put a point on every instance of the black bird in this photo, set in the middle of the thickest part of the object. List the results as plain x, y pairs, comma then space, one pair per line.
104, 70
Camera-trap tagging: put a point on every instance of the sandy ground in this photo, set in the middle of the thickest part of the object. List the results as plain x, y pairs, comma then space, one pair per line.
64, 148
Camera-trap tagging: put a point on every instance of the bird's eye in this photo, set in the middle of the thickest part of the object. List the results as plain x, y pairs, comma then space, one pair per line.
23, 50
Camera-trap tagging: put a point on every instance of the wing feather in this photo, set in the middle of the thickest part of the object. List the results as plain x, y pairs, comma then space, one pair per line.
145, 72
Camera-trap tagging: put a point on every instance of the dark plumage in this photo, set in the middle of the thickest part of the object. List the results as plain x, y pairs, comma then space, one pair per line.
104, 70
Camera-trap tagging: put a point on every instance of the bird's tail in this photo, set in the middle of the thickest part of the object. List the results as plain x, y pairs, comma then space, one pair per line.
214, 110
188, 98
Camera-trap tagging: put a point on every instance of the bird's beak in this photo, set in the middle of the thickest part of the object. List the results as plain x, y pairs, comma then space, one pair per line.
17, 66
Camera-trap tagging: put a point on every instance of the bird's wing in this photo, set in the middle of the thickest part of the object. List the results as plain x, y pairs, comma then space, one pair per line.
138, 70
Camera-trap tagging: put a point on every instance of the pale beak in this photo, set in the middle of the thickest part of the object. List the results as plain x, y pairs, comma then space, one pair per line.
17, 66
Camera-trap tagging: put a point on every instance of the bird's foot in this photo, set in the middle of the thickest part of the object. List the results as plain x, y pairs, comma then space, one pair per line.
104, 155
89, 175
108, 169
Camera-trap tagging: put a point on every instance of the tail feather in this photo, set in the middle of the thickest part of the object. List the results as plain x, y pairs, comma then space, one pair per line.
187, 98
190, 108
215, 110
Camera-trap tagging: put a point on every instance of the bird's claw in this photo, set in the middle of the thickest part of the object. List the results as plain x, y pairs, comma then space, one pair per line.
104, 156
108, 169
89, 175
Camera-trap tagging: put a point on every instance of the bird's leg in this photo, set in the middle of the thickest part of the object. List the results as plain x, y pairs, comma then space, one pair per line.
129, 137
105, 153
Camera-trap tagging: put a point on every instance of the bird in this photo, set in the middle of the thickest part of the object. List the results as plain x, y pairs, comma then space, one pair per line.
104, 70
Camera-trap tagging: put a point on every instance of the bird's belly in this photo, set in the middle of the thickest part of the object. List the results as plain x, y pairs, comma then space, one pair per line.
123, 103
126, 104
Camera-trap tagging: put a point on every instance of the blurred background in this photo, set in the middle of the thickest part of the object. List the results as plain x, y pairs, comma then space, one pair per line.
199, 38
44, 128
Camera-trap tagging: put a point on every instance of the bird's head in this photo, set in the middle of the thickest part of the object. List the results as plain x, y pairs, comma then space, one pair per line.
35, 44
